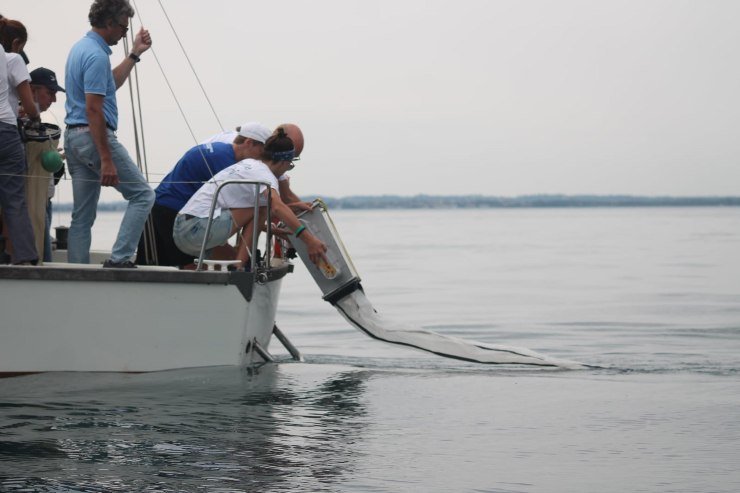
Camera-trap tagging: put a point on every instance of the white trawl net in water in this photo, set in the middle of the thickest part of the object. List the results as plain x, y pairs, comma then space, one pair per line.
357, 309
342, 278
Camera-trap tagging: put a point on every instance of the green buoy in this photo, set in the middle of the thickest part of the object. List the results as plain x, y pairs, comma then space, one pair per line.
51, 161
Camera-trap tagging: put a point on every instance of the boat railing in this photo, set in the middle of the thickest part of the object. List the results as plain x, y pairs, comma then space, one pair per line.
255, 230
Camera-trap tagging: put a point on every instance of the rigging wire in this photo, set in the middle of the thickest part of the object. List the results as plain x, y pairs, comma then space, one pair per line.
135, 117
172, 91
184, 52
148, 242
167, 80
144, 164
150, 253
141, 119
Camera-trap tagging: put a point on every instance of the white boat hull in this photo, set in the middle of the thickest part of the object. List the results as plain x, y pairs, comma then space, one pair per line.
48, 323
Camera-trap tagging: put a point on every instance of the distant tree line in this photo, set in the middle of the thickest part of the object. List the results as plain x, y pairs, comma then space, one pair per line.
484, 202
487, 202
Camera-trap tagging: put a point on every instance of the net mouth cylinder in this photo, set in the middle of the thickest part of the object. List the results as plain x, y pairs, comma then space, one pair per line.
337, 277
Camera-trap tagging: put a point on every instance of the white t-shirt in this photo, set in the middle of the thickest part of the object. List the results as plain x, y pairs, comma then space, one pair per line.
237, 196
17, 73
6, 113
228, 138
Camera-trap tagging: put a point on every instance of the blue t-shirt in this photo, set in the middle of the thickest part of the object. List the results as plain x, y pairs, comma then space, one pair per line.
196, 167
88, 71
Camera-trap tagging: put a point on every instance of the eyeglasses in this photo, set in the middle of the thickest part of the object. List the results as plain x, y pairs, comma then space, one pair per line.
124, 28
292, 165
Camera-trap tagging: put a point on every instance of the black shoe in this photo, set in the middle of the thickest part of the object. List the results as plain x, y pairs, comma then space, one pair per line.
126, 264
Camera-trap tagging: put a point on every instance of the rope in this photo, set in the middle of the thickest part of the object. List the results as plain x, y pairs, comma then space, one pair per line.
94, 181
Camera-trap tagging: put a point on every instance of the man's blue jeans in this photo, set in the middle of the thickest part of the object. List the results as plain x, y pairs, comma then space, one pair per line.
83, 163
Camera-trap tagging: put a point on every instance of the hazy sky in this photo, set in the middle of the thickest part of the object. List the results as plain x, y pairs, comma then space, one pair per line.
441, 96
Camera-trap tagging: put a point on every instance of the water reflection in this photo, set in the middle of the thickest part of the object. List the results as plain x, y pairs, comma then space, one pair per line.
301, 432
222, 429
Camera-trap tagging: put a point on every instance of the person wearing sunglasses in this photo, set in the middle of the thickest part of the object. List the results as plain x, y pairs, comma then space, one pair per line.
95, 157
286, 193
235, 205
198, 165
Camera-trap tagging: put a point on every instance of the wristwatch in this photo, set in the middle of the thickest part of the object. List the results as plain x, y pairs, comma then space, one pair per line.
133, 56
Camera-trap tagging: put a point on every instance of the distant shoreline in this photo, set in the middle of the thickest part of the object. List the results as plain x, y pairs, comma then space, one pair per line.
491, 202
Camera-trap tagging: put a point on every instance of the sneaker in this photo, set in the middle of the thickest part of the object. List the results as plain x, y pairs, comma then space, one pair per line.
126, 264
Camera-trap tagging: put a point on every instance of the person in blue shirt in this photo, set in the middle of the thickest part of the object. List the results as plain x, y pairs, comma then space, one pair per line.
195, 167
95, 158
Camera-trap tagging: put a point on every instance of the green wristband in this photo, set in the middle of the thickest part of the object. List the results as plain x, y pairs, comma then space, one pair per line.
299, 230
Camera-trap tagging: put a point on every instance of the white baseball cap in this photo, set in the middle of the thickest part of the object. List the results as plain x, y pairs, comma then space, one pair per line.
255, 131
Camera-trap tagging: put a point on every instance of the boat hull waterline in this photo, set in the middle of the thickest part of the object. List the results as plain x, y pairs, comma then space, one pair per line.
63, 318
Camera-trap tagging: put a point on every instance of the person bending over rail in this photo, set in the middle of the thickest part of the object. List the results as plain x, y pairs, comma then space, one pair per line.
235, 204
286, 193
197, 166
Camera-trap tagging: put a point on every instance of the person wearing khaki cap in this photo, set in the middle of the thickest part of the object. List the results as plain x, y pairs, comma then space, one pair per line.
198, 165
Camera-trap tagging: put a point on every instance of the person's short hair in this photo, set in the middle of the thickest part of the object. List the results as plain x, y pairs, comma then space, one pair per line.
101, 11
240, 139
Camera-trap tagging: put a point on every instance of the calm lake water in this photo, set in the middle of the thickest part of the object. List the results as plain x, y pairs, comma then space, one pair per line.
650, 295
